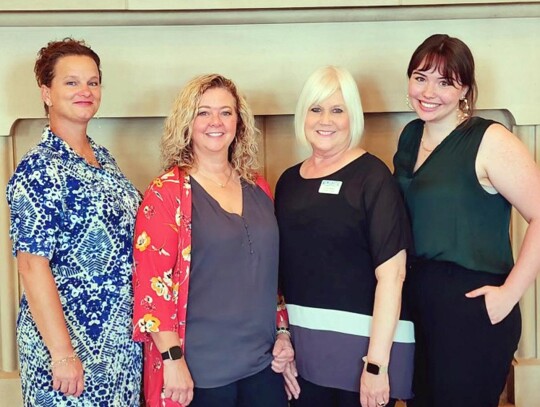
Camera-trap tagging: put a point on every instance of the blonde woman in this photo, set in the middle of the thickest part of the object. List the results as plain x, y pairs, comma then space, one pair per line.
343, 236
208, 223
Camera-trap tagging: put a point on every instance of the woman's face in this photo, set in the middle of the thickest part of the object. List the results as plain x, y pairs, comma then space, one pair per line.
327, 126
433, 98
75, 92
214, 127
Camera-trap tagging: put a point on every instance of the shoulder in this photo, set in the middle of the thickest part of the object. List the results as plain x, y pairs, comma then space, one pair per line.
290, 173
371, 167
261, 182
168, 187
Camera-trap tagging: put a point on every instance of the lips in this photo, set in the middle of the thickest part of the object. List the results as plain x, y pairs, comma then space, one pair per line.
215, 134
325, 132
428, 105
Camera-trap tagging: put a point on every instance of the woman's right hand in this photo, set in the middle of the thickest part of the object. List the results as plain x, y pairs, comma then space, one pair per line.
177, 381
68, 377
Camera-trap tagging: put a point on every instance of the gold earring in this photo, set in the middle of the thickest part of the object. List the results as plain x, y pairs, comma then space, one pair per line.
464, 109
408, 102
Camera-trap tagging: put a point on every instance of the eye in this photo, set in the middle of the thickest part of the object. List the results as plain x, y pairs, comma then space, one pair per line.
202, 113
337, 110
419, 78
227, 113
444, 83
71, 83
94, 84
315, 109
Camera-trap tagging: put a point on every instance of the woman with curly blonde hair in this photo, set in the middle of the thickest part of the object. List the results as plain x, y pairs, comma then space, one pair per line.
222, 346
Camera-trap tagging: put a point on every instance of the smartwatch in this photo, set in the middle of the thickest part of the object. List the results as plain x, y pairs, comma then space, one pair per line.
173, 353
374, 368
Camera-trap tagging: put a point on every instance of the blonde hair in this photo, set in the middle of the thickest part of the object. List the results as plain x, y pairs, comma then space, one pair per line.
176, 142
322, 84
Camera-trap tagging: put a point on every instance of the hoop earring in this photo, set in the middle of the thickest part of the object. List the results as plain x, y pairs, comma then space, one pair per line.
408, 102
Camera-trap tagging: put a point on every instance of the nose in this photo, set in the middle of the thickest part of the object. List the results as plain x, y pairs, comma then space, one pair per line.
429, 90
85, 90
215, 120
325, 118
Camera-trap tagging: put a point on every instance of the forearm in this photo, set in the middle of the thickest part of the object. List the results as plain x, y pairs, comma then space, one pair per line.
386, 309
527, 265
44, 302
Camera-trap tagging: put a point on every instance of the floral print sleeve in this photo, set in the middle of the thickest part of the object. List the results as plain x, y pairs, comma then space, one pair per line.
161, 261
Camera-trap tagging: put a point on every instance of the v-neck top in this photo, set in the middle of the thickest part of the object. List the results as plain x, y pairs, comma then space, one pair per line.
231, 315
453, 218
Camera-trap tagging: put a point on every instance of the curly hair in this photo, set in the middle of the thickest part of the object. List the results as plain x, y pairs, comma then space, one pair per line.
176, 142
48, 56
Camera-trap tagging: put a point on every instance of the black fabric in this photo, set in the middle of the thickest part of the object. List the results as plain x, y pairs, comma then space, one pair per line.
313, 395
264, 389
331, 244
461, 358
453, 218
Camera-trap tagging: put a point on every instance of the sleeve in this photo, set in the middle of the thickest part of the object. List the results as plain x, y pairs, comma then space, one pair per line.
34, 197
282, 317
389, 229
155, 283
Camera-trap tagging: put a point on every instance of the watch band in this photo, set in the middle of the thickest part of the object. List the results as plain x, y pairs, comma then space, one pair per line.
173, 353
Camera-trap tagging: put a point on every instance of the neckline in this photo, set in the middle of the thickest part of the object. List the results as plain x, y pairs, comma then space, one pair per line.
216, 202
435, 150
333, 173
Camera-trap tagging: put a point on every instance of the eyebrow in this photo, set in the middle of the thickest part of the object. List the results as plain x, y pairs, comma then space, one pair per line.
209, 107
417, 72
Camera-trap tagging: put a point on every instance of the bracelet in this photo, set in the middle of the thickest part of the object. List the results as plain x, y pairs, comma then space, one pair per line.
64, 361
283, 330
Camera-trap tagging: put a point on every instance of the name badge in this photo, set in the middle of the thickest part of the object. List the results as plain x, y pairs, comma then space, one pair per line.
330, 187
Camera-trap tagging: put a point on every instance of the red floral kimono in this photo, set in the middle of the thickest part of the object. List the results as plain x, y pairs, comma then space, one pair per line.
162, 252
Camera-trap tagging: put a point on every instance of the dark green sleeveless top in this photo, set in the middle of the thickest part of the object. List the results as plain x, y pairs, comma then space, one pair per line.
453, 218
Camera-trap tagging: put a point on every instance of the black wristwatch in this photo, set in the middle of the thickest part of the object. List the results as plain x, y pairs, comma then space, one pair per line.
174, 353
374, 368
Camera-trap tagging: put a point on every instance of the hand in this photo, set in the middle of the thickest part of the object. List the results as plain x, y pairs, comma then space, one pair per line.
292, 388
283, 353
374, 389
68, 377
499, 301
177, 381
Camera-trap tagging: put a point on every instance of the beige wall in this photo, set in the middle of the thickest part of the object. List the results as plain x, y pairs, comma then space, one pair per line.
149, 49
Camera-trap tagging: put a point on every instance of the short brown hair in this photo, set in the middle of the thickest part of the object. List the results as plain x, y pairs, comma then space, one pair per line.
48, 56
454, 60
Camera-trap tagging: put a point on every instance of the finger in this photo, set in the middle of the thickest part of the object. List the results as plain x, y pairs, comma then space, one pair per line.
72, 388
189, 397
167, 393
64, 386
478, 292
289, 395
80, 388
56, 384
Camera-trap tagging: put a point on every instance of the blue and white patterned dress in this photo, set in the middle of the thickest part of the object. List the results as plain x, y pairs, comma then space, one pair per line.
81, 218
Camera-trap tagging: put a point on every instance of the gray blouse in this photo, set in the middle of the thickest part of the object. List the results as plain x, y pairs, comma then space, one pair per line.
231, 314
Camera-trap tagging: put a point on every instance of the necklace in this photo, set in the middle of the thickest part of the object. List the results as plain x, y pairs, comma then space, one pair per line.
220, 184
424, 146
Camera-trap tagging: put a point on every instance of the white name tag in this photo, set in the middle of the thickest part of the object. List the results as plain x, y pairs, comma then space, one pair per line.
330, 187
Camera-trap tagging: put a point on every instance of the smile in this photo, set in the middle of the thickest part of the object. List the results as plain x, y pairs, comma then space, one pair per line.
325, 132
216, 134
429, 105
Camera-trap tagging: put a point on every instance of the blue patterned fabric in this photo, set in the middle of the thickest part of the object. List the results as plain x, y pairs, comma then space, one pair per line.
81, 218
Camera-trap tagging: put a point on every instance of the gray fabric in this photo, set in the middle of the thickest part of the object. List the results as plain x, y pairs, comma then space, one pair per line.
231, 312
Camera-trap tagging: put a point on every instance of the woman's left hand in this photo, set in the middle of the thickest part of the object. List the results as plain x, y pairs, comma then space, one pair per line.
499, 301
374, 389
283, 353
